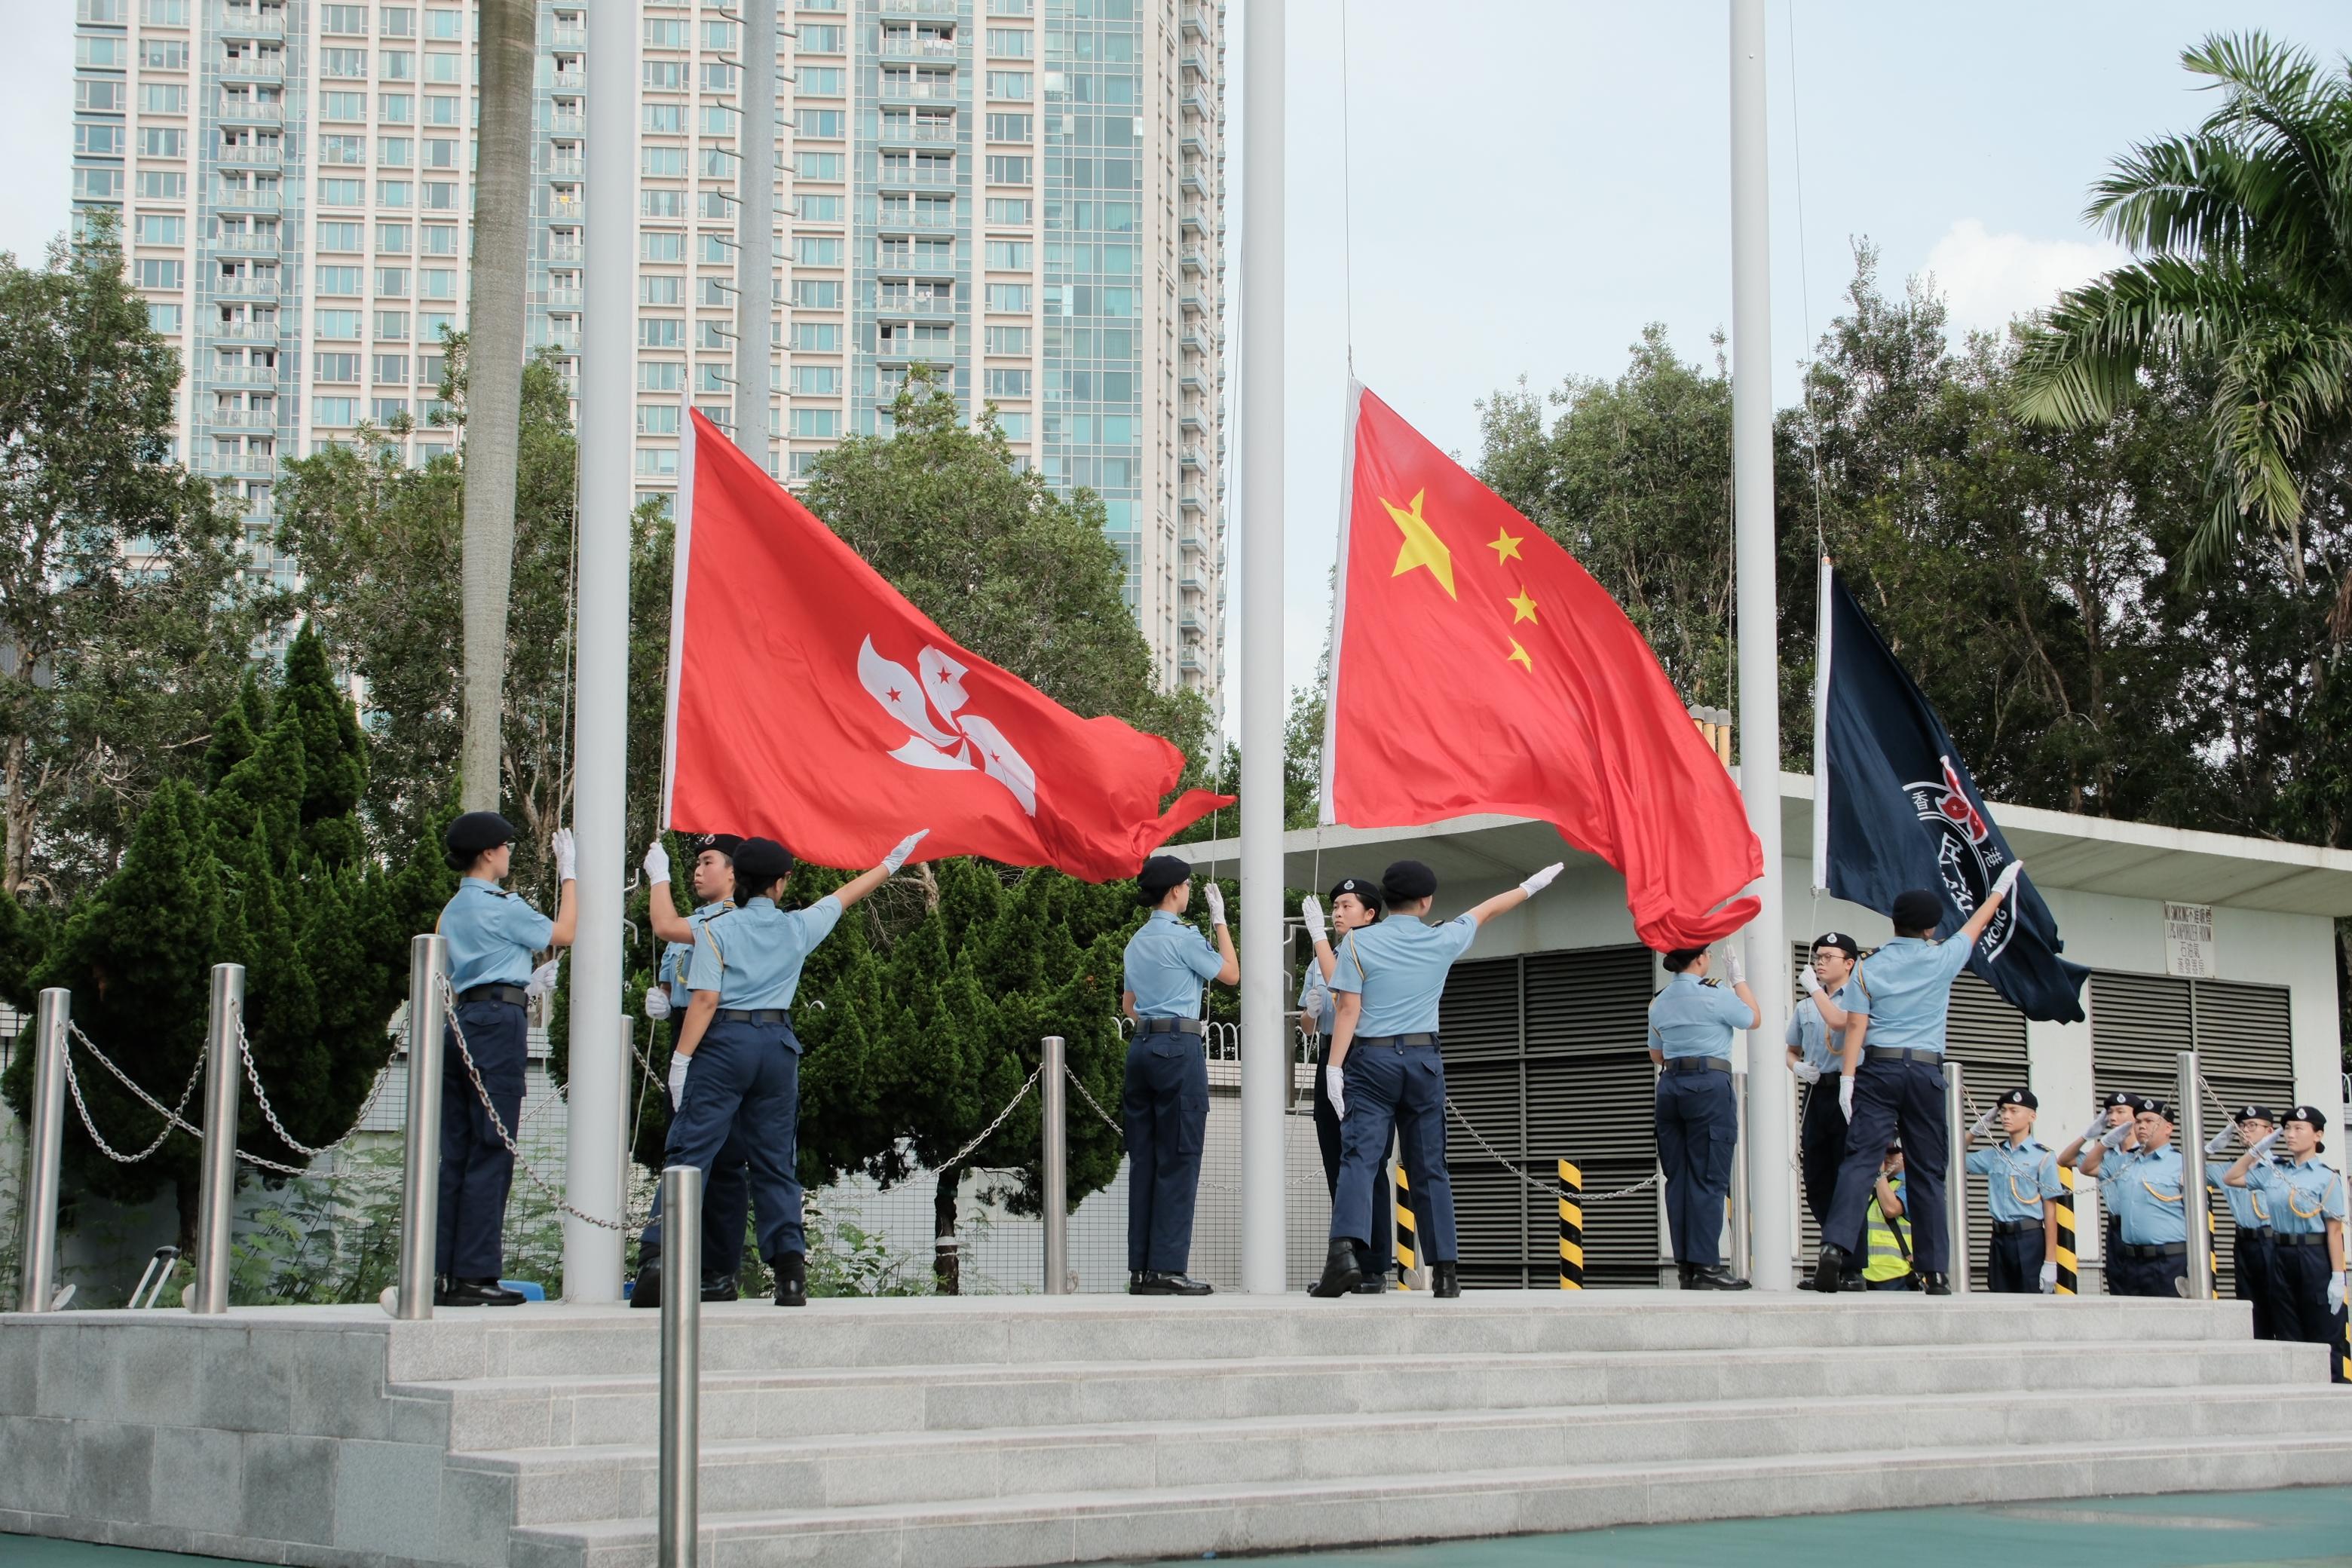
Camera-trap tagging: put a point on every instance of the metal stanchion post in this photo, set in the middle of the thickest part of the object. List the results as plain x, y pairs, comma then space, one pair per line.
1742, 1261
218, 1188
2189, 1137
681, 1363
1057, 1171
38, 1279
420, 1184
1956, 1176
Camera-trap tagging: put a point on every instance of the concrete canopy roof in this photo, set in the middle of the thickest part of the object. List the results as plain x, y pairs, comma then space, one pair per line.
2090, 853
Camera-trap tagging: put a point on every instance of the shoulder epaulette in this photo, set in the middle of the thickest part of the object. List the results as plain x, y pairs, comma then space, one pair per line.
1717, 984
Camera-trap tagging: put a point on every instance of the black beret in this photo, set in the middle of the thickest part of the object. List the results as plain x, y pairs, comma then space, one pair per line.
2023, 1097
473, 833
2119, 1098
1366, 893
2149, 1105
1161, 873
1407, 880
1838, 939
2256, 1114
759, 861
2317, 1117
1916, 909
727, 843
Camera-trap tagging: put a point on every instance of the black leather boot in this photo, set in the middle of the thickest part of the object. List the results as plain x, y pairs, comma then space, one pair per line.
720, 1287
648, 1292
1342, 1274
1936, 1284
1830, 1268
1713, 1277
792, 1280
1446, 1281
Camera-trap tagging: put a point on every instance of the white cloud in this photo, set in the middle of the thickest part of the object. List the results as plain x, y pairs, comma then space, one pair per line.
1986, 279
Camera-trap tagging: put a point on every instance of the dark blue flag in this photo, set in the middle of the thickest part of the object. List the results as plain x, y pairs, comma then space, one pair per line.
1893, 809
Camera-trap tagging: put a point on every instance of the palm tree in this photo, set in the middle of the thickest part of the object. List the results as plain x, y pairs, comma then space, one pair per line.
494, 355
2243, 232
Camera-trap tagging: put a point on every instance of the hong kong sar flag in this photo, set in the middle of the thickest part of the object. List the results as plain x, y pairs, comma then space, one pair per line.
810, 703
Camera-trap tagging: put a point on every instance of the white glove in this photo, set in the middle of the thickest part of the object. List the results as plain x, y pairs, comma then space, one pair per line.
2007, 879
2219, 1140
1807, 1072
543, 978
2262, 1144
904, 847
1310, 914
2099, 1125
2115, 1136
656, 862
1541, 879
656, 1002
1335, 1086
1810, 981
2049, 1279
1846, 1095
1983, 1124
1734, 969
2336, 1294
677, 1066
567, 858
1217, 896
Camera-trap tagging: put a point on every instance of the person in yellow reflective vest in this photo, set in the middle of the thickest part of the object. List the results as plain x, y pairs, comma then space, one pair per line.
1887, 1233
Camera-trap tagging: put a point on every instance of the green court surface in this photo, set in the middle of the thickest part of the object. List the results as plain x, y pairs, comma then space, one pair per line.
2300, 1528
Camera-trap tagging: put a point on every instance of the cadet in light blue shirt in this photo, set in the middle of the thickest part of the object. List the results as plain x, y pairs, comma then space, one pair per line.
492, 936
1692, 1027
745, 1059
1892, 1087
2249, 1216
2143, 1185
1384, 1074
1164, 1101
1355, 903
2306, 1203
2021, 1181
1816, 1042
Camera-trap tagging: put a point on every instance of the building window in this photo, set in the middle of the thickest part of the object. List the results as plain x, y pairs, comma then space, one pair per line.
813, 251
443, 70
384, 410
713, 335
1008, 340
664, 162
391, 368
665, 75
163, 318
157, 229
163, 275
164, 98
334, 411
440, 239
1010, 255
658, 291
1008, 84
440, 195
656, 419
1010, 296
391, 193
818, 424
342, 192
437, 283
663, 204
666, 34
335, 367
338, 279
1004, 170
665, 119
391, 282
817, 294
392, 326
336, 326
661, 375
158, 141
661, 332
1008, 43
816, 337
400, 65
816, 380
444, 26
1008, 128
164, 13
394, 151
662, 247
820, 209
442, 112
1014, 425
1008, 384
656, 462
347, 64
828, 123
106, 186
1008, 209
432, 326
823, 81
337, 148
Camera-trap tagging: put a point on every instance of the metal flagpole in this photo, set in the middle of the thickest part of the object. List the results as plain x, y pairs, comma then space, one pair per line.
1266, 1046
755, 228
1773, 1241
592, 1254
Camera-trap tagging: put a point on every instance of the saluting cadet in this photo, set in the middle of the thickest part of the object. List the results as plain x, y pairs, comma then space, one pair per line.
1385, 1076
737, 1054
2021, 1181
1165, 1100
1355, 903
2116, 1110
492, 935
2249, 1213
1816, 1040
2306, 1203
727, 1193
1691, 1026
2143, 1185
1892, 1079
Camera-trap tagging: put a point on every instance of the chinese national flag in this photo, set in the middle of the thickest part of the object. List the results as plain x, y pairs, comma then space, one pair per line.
810, 703
1477, 667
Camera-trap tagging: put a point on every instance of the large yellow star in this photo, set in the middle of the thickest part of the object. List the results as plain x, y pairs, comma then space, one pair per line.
1506, 545
1422, 546
1523, 608
1519, 655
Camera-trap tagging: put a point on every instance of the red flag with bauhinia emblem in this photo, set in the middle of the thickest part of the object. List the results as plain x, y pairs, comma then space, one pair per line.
1477, 667
810, 703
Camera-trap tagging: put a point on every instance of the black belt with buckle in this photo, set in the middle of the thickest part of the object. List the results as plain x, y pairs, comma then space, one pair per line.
2015, 1227
2257, 1233
1697, 1064
754, 1016
1171, 1026
2299, 1237
514, 994
1895, 1054
1396, 1040
2166, 1250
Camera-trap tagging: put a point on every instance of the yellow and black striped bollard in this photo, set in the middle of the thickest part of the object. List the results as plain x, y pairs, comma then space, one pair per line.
1406, 1237
2066, 1274
1571, 1227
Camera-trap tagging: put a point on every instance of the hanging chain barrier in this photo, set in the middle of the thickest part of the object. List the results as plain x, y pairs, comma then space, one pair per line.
172, 1120
498, 1124
990, 1131
1549, 1190
270, 1112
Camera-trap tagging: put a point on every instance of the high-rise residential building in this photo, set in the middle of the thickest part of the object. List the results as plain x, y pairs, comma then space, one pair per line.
1026, 195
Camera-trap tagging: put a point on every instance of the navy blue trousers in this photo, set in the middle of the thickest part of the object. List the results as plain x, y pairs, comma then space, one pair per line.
1698, 1132
2252, 1258
2299, 1302
1400, 1091
1377, 1255
726, 1209
469, 1242
1820, 1146
2013, 1262
1891, 1098
745, 1083
1165, 1106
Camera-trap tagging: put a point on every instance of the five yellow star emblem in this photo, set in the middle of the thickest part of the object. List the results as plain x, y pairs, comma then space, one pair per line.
1519, 655
1422, 546
1523, 608
1506, 545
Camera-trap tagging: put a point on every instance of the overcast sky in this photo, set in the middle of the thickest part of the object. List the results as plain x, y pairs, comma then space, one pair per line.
1535, 180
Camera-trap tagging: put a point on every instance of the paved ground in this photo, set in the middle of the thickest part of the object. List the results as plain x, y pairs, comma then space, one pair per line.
2306, 1528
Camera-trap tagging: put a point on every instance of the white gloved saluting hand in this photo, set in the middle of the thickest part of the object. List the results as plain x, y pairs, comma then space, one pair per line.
2220, 1141
543, 978
656, 862
2116, 1135
1846, 1095
900, 850
2099, 1125
2262, 1144
1335, 1089
1216, 898
1983, 1124
1310, 914
1541, 879
567, 858
656, 1002
2049, 1279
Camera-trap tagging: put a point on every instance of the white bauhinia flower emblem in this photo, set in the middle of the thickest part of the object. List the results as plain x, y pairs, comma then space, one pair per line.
928, 701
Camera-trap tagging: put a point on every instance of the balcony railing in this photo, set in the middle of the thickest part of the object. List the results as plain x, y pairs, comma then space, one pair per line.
246, 332
568, 37
562, 168
568, 122
243, 419
252, 155
917, 130
922, 89
263, 242
919, 48
243, 463
1190, 500
245, 197
920, 215
915, 303
245, 111
244, 375
918, 8
248, 288
238, 23
251, 68
918, 176
561, 299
